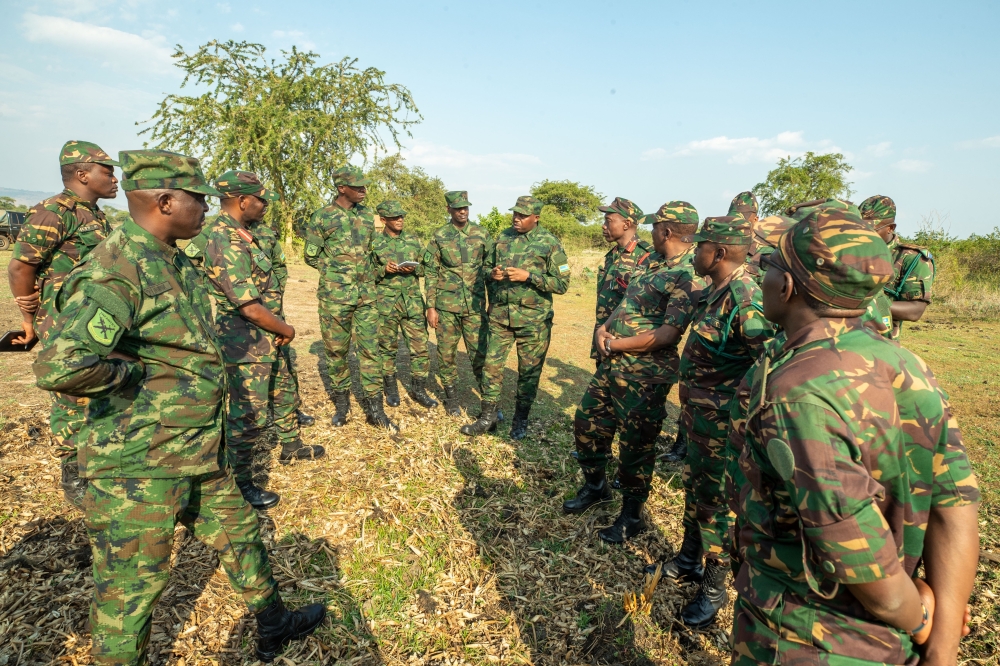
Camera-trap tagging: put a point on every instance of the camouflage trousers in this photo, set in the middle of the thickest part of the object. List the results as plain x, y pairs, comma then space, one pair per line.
706, 508
473, 327
635, 410
66, 418
532, 346
339, 323
131, 527
283, 394
414, 330
246, 416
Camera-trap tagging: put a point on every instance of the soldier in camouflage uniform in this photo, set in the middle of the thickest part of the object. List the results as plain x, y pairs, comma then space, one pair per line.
455, 279
527, 266
339, 245
765, 238
744, 205
401, 305
58, 233
240, 274
638, 366
850, 454
136, 338
727, 336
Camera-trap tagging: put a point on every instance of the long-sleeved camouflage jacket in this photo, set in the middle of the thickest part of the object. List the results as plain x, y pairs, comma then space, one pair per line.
393, 287
613, 277
529, 303
455, 265
339, 246
269, 244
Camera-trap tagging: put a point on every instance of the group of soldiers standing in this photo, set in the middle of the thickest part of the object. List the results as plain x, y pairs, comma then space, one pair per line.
822, 465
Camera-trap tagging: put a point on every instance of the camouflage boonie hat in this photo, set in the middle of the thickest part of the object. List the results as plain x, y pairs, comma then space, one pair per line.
770, 229
350, 175
234, 183
879, 209
528, 205
457, 199
680, 212
623, 207
74, 152
835, 255
163, 170
729, 230
390, 208
743, 203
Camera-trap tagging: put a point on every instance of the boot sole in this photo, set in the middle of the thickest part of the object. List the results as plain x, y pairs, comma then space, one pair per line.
586, 508
268, 657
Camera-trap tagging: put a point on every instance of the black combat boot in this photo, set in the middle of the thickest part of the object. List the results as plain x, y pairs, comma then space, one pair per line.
486, 422
72, 485
628, 524
375, 415
418, 393
711, 597
304, 419
519, 426
595, 490
391, 390
451, 406
276, 625
297, 450
686, 565
342, 402
678, 451
258, 498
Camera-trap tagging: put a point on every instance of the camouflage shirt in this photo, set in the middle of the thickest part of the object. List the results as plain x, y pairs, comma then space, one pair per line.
665, 293
159, 419
267, 240
456, 270
727, 335
528, 303
239, 272
913, 269
338, 245
57, 234
393, 287
620, 265
840, 481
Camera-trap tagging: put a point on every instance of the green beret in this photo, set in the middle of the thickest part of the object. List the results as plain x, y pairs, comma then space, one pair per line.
528, 205
623, 207
234, 183
350, 175
680, 212
457, 199
390, 208
728, 230
162, 170
879, 209
74, 152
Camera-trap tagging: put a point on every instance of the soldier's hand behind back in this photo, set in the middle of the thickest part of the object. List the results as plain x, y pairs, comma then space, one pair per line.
282, 339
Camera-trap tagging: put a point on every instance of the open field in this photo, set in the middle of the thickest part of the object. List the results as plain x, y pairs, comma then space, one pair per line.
430, 548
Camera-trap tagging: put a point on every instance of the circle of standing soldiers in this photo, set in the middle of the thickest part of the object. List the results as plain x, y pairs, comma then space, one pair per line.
822, 464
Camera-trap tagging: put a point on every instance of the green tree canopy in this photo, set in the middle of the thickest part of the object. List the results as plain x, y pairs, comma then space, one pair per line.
422, 195
803, 179
569, 198
494, 221
293, 122
8, 203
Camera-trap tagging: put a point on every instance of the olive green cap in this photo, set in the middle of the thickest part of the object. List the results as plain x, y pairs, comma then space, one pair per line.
163, 170
457, 199
350, 175
680, 212
528, 205
390, 208
623, 207
234, 183
75, 152
727, 230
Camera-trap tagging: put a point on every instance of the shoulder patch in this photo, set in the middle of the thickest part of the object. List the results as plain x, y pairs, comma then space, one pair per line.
312, 250
564, 268
192, 250
782, 458
103, 327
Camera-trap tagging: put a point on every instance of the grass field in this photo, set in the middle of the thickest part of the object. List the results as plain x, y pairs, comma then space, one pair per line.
431, 548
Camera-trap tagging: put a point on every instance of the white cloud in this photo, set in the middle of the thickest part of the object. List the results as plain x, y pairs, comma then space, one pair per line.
992, 142
237, 27
880, 149
223, 7
913, 166
744, 150
424, 153
653, 154
116, 48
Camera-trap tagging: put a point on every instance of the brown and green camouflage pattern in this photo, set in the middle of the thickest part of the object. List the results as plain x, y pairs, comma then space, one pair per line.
724, 230
350, 175
912, 270
163, 170
75, 152
457, 199
764, 241
390, 208
528, 205
680, 212
235, 182
615, 274
623, 207
401, 303
743, 205
246, 413
879, 210
162, 418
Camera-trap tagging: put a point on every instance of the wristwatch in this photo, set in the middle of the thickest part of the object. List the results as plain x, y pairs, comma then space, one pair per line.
607, 345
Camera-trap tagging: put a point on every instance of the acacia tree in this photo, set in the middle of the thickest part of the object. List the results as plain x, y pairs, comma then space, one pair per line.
801, 179
293, 122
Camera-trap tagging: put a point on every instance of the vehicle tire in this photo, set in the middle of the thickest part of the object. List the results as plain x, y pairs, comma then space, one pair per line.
4, 242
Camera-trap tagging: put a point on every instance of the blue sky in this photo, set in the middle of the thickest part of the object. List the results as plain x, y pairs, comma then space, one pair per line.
648, 100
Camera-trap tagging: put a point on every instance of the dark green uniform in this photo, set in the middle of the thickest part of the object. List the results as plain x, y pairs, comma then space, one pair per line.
400, 303
620, 265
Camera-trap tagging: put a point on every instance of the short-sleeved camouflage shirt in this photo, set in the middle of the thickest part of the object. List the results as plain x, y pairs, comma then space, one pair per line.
529, 303
664, 293
393, 287
57, 234
162, 418
455, 268
727, 335
339, 245
615, 274
239, 272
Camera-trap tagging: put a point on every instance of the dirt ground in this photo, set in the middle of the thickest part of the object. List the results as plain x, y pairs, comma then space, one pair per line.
428, 547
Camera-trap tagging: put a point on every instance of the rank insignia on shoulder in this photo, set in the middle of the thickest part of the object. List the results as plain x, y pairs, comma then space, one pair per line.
245, 235
564, 268
103, 327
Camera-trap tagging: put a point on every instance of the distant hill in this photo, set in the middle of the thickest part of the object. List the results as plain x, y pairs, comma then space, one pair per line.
31, 197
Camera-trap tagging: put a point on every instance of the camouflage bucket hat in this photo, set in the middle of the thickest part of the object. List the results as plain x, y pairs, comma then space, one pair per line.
457, 199
770, 229
835, 255
680, 212
390, 208
729, 230
623, 207
350, 175
74, 152
234, 183
879, 209
743, 203
163, 170
528, 205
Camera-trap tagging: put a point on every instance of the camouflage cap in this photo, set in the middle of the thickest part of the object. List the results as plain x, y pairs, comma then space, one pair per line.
74, 152
770, 229
457, 199
729, 230
163, 170
390, 208
623, 207
649, 218
350, 175
234, 183
879, 209
528, 205
680, 212
835, 255
744, 202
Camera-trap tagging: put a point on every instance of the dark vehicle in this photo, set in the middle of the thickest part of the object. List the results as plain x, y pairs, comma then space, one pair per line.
10, 225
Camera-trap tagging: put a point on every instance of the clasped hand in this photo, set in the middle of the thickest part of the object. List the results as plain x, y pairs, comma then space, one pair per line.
510, 273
